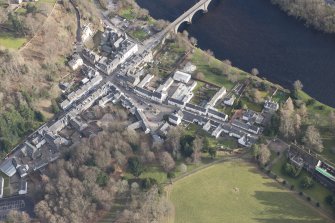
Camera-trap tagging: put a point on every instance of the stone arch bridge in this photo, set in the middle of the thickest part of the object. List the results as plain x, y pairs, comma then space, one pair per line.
187, 16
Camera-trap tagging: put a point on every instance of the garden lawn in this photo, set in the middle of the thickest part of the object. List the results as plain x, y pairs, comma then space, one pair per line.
236, 192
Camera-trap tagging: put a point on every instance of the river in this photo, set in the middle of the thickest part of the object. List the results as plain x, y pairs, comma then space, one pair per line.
255, 33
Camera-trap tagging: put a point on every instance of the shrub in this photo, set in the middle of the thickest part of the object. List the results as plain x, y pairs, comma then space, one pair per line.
102, 179
306, 182
310, 102
54, 106
320, 107
182, 168
39, 116
289, 170
147, 183
110, 169
171, 175
330, 200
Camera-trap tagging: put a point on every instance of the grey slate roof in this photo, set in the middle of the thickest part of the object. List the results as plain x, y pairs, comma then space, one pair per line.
176, 101
195, 107
217, 113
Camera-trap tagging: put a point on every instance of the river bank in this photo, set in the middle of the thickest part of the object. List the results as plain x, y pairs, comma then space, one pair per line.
259, 34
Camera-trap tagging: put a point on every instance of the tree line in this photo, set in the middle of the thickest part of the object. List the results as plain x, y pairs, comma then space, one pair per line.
316, 13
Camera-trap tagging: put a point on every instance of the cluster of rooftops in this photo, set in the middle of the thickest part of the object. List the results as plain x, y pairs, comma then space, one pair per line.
246, 130
43, 146
117, 50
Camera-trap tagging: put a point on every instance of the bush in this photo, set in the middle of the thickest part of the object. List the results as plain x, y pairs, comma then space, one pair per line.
110, 169
54, 106
320, 107
306, 182
147, 183
310, 102
39, 116
171, 175
289, 170
330, 200
102, 179
182, 168
135, 166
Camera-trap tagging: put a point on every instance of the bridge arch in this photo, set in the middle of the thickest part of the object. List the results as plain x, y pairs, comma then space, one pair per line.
188, 17
187, 20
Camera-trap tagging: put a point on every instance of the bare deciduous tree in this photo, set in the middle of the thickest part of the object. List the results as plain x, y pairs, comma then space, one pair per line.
166, 161
313, 139
254, 71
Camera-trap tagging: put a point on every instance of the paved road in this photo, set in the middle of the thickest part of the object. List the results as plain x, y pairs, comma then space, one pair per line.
79, 44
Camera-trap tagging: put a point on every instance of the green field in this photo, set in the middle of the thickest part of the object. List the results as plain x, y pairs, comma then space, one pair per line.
236, 192
9, 41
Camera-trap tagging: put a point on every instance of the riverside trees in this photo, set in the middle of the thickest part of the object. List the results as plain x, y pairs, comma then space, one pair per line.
317, 13
290, 120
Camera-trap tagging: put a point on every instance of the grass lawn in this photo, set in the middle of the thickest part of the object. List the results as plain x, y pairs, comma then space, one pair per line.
316, 107
252, 105
127, 13
280, 96
199, 59
9, 41
139, 34
236, 192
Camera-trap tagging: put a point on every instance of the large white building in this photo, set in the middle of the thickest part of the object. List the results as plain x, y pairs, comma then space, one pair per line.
181, 77
222, 92
166, 85
75, 62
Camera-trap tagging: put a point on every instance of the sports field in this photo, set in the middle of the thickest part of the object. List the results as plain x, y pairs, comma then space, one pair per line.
236, 192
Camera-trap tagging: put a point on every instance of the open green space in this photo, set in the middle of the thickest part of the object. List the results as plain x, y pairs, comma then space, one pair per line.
209, 65
236, 192
11, 42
